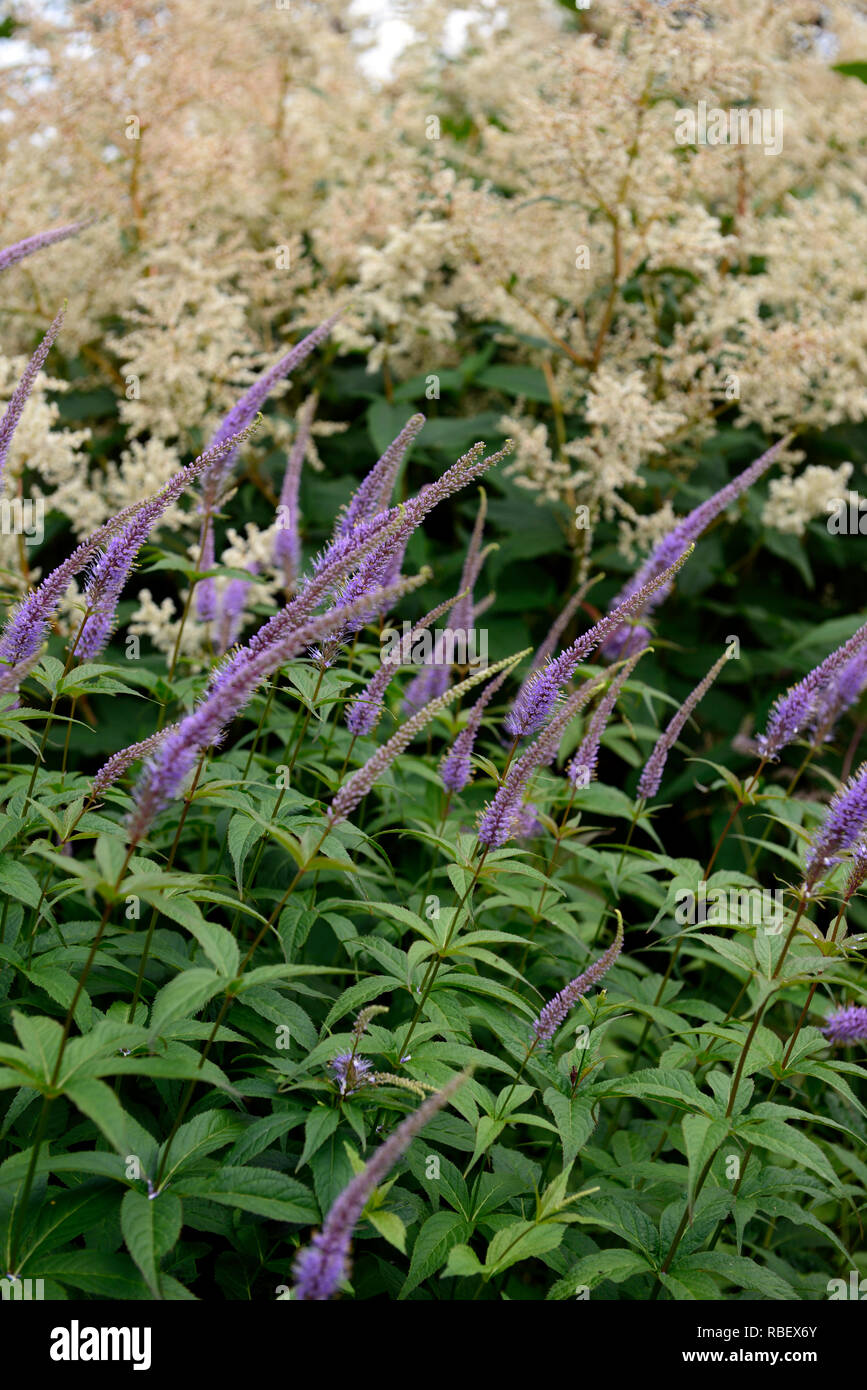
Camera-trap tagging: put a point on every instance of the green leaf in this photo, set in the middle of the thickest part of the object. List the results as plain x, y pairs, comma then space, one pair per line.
258, 1190
184, 996
432, 1245
574, 1120
522, 1240
150, 1227
321, 1124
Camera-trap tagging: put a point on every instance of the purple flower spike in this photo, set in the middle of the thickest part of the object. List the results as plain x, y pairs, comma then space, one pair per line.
843, 827
802, 703
583, 766
499, 817
365, 711
374, 493
456, 766
683, 534
12, 413
847, 1025
539, 694
12, 254
322, 1266
648, 784
556, 1011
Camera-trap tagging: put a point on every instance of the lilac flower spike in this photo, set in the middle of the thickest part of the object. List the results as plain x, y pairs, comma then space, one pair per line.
12, 254
231, 618
556, 1011
356, 787
539, 695
374, 493
455, 767
241, 414
112, 569
322, 1266
844, 824
118, 763
287, 543
847, 1025
497, 823
623, 642
18, 400
583, 766
365, 711
802, 703
232, 686
648, 783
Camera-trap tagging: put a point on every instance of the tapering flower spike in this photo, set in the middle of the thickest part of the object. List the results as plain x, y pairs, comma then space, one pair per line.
18, 400
323, 1265
623, 641
539, 695
792, 713
356, 787
847, 1025
287, 542
241, 414
374, 493
456, 766
118, 763
582, 768
365, 710
648, 783
231, 688
10, 255
497, 822
112, 568
556, 1011
842, 829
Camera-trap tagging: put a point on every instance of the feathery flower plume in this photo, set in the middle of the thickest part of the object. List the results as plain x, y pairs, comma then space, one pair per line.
847, 1025
623, 641
10, 255
555, 1012
373, 494
241, 414
583, 765
498, 818
356, 787
455, 767
539, 695
793, 712
118, 763
230, 690
843, 826
365, 710
858, 871
18, 399
648, 783
322, 1266
287, 542
112, 569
